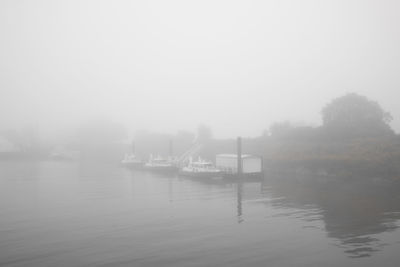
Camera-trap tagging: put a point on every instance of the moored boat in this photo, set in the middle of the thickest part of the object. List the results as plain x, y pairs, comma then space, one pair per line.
200, 169
160, 164
131, 161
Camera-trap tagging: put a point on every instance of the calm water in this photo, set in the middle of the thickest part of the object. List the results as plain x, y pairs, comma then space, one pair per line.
70, 214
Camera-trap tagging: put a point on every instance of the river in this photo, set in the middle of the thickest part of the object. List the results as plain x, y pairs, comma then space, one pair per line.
84, 214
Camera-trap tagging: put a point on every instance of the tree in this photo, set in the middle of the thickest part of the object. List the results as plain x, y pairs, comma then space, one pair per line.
353, 115
289, 132
280, 129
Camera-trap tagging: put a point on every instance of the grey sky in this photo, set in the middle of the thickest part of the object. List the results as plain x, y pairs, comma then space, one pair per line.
236, 66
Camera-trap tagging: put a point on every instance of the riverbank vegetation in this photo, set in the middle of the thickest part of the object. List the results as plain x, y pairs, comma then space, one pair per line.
355, 139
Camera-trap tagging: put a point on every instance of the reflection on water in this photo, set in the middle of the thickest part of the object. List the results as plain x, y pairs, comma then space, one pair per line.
70, 214
239, 188
353, 213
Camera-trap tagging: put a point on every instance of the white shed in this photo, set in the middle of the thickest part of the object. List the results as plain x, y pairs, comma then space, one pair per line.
228, 163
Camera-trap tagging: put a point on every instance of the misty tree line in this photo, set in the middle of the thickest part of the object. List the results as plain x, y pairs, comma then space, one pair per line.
344, 118
106, 140
355, 133
349, 116
355, 139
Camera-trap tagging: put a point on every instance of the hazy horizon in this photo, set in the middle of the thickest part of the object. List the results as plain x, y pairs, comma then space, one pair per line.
236, 66
118, 126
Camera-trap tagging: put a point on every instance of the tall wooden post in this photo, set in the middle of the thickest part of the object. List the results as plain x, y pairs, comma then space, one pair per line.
239, 156
239, 179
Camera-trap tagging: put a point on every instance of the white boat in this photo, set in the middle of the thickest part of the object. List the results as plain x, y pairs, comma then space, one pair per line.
200, 169
160, 164
131, 161
64, 154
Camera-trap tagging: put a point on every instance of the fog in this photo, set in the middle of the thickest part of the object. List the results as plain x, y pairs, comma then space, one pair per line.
237, 66
181, 133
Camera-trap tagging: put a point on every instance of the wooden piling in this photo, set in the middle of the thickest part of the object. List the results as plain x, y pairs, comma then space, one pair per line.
239, 156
